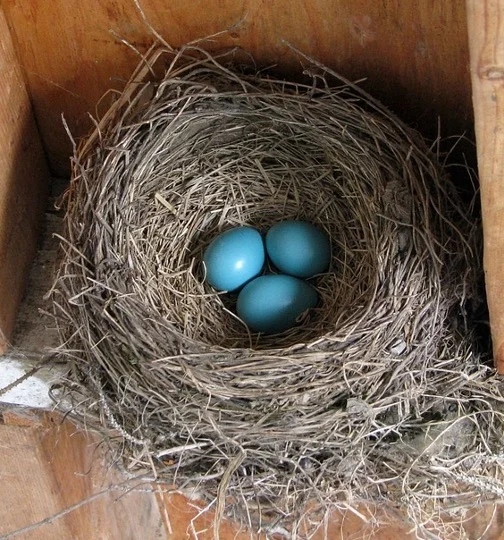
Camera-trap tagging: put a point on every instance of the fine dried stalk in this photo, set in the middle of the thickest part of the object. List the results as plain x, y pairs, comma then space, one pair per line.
379, 395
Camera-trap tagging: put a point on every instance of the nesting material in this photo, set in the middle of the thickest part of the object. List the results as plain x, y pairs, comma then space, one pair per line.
378, 394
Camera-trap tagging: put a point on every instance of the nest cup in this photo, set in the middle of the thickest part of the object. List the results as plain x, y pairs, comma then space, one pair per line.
340, 404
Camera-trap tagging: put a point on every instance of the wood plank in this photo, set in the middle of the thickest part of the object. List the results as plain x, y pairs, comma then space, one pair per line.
48, 466
486, 38
27, 491
414, 54
23, 183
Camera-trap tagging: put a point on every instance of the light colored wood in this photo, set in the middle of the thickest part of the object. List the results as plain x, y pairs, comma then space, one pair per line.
48, 466
23, 183
486, 38
414, 54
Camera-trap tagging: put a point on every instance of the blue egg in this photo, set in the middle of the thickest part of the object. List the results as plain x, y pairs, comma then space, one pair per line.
273, 303
298, 248
233, 258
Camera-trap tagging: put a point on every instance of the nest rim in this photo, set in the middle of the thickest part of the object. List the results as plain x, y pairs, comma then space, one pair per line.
232, 369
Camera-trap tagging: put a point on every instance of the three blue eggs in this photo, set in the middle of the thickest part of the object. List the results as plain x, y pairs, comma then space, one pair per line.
272, 303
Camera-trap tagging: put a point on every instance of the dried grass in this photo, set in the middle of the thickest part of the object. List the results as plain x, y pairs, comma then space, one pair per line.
379, 396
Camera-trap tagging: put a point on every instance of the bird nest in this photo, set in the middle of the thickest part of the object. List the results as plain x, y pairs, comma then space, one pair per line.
377, 395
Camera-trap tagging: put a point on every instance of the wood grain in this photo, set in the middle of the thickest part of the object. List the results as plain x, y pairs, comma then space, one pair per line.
47, 466
23, 183
486, 38
413, 54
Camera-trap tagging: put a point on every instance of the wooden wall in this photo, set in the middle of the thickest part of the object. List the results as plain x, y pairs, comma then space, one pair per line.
23, 185
414, 53
486, 33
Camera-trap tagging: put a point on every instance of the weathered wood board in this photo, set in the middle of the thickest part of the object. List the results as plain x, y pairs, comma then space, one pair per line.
485, 20
413, 54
